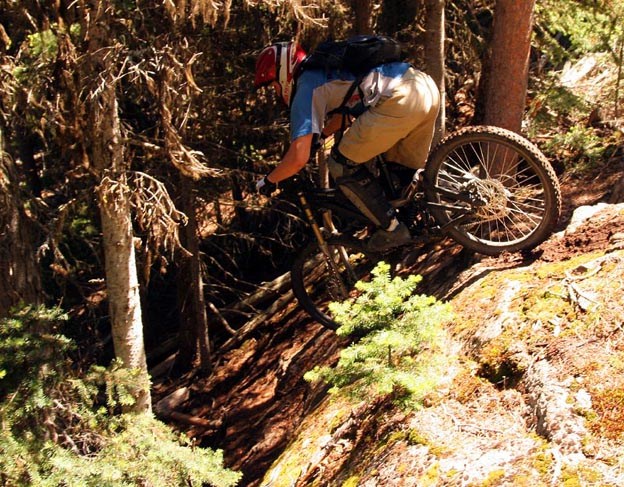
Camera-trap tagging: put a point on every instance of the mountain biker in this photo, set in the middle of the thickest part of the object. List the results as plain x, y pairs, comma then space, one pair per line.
395, 109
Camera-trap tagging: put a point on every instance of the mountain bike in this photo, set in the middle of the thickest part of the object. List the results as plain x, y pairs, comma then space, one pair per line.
487, 188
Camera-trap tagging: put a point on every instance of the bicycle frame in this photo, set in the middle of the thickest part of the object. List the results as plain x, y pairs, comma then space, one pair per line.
333, 201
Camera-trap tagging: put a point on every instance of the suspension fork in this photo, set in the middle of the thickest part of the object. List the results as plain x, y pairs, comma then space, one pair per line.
311, 220
316, 229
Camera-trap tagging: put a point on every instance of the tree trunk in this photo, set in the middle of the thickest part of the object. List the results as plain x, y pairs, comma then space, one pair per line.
122, 281
194, 348
507, 74
20, 281
363, 12
106, 152
434, 57
397, 15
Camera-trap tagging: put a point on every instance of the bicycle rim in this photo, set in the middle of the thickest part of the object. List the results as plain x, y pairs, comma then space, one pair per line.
492, 190
318, 279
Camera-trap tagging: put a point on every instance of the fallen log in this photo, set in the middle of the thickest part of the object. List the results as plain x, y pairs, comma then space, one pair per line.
277, 306
265, 291
248, 328
167, 404
196, 421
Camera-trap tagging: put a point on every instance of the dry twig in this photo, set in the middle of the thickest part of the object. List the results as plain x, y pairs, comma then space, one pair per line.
155, 212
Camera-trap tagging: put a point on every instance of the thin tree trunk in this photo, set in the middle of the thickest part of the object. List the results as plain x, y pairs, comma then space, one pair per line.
434, 57
362, 11
618, 80
26, 142
194, 339
505, 92
107, 157
122, 281
20, 280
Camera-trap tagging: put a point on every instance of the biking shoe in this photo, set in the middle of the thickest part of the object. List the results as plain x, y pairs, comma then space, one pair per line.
385, 240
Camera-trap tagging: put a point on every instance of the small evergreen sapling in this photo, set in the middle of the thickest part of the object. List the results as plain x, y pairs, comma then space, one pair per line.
401, 346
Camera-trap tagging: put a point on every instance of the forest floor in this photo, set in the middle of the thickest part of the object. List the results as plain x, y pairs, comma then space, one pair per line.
534, 390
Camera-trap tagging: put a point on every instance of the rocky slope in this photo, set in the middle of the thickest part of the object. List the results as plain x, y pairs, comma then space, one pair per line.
532, 384
533, 393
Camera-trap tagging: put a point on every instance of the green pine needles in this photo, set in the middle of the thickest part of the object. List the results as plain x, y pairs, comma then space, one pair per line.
401, 350
60, 427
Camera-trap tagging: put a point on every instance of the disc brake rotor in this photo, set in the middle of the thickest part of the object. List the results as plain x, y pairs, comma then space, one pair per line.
491, 198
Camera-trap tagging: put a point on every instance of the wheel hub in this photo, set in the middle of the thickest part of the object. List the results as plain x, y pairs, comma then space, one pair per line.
490, 197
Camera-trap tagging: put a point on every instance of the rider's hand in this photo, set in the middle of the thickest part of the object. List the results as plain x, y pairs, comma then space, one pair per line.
265, 187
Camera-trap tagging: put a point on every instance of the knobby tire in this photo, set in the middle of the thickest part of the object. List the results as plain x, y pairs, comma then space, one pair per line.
517, 194
316, 284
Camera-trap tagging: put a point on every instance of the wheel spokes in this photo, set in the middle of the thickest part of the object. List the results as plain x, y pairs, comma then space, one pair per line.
497, 186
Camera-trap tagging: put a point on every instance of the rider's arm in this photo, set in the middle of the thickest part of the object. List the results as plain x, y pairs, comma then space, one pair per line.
294, 160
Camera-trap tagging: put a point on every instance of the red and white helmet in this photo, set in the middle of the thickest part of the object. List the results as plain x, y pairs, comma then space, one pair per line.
279, 63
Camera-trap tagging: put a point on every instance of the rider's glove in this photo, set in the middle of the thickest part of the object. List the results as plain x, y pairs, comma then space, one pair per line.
265, 187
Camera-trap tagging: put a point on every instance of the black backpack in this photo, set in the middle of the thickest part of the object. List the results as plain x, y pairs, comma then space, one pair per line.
358, 54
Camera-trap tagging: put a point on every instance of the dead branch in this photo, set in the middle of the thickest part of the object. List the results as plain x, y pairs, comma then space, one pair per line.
113, 192
189, 162
155, 212
263, 293
207, 11
305, 12
252, 324
281, 303
217, 316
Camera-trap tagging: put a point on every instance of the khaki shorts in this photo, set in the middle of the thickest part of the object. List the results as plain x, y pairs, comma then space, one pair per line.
401, 125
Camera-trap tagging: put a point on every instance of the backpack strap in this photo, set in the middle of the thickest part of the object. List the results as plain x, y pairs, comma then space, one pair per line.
342, 108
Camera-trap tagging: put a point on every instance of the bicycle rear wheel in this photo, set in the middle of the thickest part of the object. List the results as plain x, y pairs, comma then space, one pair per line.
318, 279
492, 190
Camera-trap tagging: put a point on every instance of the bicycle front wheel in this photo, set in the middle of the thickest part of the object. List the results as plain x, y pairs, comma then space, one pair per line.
321, 276
492, 190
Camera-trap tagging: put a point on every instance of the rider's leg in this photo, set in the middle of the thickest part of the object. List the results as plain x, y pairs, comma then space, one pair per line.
413, 149
414, 103
364, 191
401, 125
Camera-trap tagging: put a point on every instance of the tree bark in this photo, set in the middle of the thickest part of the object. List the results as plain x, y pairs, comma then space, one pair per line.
107, 157
396, 15
194, 346
507, 74
122, 281
21, 280
362, 11
434, 57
